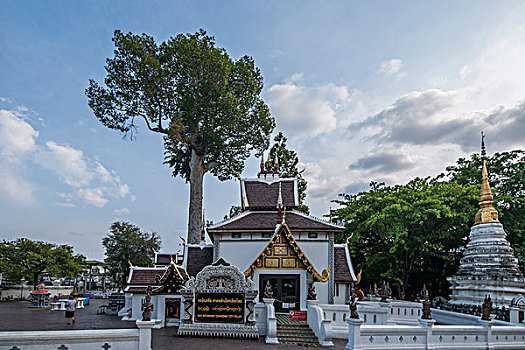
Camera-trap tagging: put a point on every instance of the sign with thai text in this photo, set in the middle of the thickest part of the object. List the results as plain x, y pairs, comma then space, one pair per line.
219, 307
297, 315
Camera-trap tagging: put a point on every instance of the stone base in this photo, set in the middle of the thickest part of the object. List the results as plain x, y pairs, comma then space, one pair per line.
473, 291
219, 330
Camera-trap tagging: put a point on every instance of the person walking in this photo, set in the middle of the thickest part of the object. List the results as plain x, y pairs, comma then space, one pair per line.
70, 309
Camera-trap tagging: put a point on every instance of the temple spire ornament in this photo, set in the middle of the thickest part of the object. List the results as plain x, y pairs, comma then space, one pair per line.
486, 213
262, 172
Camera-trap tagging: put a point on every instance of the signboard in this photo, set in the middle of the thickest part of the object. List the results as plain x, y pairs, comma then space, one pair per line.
297, 315
219, 308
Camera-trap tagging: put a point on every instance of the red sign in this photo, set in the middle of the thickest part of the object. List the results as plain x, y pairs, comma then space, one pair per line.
297, 315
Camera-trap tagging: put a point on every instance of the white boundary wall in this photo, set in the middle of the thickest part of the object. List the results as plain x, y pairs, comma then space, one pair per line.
114, 339
428, 336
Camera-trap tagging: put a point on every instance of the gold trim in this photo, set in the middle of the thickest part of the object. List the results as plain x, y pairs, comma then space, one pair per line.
293, 249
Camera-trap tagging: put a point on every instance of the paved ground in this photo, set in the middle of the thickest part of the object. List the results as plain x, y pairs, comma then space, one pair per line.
17, 316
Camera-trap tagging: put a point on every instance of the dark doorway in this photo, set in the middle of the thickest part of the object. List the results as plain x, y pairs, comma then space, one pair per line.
285, 291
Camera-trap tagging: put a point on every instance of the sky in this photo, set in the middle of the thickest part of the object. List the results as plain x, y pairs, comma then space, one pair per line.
365, 91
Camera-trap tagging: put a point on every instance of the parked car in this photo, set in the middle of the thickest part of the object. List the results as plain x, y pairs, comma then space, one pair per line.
100, 295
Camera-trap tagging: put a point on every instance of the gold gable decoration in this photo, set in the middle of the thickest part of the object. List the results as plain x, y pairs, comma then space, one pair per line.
171, 282
283, 252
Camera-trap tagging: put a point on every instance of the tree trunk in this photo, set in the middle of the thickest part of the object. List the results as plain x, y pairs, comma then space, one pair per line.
195, 210
35, 279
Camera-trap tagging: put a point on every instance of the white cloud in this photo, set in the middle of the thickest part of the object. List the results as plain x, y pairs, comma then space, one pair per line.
391, 67
121, 212
93, 196
304, 110
15, 188
69, 163
94, 183
17, 136
65, 204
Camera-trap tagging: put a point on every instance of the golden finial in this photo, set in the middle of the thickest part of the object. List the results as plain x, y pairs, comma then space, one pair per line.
130, 264
486, 213
284, 215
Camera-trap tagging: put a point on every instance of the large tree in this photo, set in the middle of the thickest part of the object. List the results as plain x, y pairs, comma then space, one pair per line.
24, 258
127, 245
207, 106
408, 234
507, 180
288, 161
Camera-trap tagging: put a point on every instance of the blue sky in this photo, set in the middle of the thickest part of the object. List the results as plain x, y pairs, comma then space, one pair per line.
364, 91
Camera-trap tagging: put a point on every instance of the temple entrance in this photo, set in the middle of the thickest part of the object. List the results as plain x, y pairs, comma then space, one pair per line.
285, 291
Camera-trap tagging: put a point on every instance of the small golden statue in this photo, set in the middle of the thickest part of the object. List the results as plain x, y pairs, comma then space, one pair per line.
353, 304
147, 306
487, 308
426, 304
268, 293
311, 293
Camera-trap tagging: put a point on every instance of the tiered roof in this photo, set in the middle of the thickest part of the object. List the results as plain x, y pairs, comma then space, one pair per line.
267, 220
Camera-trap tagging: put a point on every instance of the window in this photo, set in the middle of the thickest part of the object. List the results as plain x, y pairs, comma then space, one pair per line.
236, 235
266, 235
337, 290
312, 234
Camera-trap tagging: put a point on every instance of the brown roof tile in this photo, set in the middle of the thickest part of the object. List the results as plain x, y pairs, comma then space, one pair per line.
144, 277
197, 259
341, 269
261, 194
267, 220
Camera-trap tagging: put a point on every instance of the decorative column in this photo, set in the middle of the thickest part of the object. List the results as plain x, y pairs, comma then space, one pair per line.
271, 322
331, 264
354, 331
145, 334
427, 324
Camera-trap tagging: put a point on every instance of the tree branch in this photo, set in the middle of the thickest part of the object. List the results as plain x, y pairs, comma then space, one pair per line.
210, 165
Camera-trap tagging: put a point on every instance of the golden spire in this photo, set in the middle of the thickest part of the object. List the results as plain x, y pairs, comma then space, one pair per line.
486, 213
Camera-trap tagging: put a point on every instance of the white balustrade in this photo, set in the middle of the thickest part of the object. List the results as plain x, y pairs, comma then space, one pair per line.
426, 335
321, 326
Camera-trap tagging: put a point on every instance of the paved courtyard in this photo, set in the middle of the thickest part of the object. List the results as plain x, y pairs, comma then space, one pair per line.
17, 316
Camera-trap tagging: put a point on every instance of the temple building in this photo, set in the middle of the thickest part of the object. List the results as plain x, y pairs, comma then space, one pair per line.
269, 240
488, 266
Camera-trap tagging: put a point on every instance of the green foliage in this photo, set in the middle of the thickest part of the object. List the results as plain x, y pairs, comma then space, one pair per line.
408, 234
507, 180
206, 105
126, 244
24, 258
288, 160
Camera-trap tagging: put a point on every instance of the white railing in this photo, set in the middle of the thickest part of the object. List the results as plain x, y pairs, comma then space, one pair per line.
404, 312
321, 327
118, 339
457, 318
373, 313
114, 339
337, 314
427, 336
